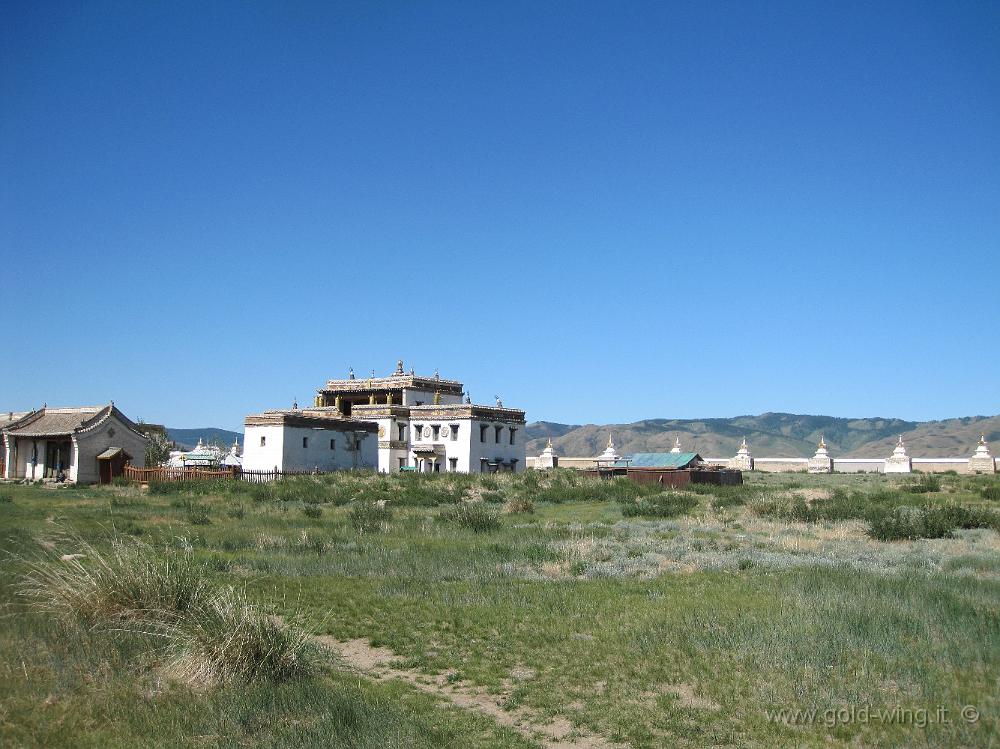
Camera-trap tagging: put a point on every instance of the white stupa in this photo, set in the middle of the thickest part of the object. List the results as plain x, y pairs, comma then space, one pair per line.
233, 457
981, 460
610, 454
548, 458
899, 461
821, 462
677, 445
743, 461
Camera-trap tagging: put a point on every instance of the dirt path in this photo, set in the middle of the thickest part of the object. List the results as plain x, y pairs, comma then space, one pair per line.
376, 663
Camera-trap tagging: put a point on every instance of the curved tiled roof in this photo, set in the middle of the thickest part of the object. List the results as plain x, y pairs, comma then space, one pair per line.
64, 422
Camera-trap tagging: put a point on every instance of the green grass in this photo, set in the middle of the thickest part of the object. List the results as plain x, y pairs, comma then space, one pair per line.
673, 630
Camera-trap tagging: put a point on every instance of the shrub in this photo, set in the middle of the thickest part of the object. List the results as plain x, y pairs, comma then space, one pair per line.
989, 492
6, 498
236, 511
370, 516
930, 521
312, 511
475, 516
496, 498
519, 505
665, 505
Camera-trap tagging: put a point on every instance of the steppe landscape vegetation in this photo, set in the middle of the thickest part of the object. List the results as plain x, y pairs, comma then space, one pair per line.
539, 609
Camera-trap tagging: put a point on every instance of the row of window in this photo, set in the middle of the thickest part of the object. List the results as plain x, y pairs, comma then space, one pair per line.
497, 431
452, 433
305, 442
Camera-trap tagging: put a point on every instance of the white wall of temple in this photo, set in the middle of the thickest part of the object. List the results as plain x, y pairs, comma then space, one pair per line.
263, 447
289, 448
322, 449
462, 445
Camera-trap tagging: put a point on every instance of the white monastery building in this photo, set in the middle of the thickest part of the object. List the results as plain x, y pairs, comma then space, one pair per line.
399, 422
79, 445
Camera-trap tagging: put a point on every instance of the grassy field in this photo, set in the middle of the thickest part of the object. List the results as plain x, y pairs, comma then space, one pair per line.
536, 610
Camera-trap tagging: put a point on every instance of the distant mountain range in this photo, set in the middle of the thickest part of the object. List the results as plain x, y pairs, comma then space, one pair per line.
188, 438
770, 435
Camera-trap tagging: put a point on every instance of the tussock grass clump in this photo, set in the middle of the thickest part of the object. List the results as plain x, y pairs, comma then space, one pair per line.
474, 516
211, 635
226, 638
130, 583
312, 511
367, 517
519, 506
989, 492
6, 497
664, 505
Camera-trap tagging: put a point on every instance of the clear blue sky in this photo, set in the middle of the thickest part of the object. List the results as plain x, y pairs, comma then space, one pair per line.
601, 211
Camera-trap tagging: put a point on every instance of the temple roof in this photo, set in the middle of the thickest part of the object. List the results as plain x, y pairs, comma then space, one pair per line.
393, 382
64, 422
314, 418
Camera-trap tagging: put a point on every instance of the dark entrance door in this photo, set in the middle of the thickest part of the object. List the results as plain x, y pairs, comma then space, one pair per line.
57, 457
111, 463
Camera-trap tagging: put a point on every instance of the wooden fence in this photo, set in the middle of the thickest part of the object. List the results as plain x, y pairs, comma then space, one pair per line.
235, 473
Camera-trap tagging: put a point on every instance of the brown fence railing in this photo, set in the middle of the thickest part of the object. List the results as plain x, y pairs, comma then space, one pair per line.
235, 473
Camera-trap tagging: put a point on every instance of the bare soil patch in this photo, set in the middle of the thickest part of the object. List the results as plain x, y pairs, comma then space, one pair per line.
377, 664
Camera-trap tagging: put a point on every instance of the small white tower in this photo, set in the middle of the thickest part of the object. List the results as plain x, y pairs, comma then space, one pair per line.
610, 454
821, 462
548, 458
899, 461
981, 460
677, 445
743, 461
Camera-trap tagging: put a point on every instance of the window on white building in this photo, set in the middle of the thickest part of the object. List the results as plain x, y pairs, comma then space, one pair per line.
402, 463
402, 432
512, 431
305, 442
263, 440
482, 432
496, 434
416, 432
454, 432
333, 444
453, 464
437, 431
